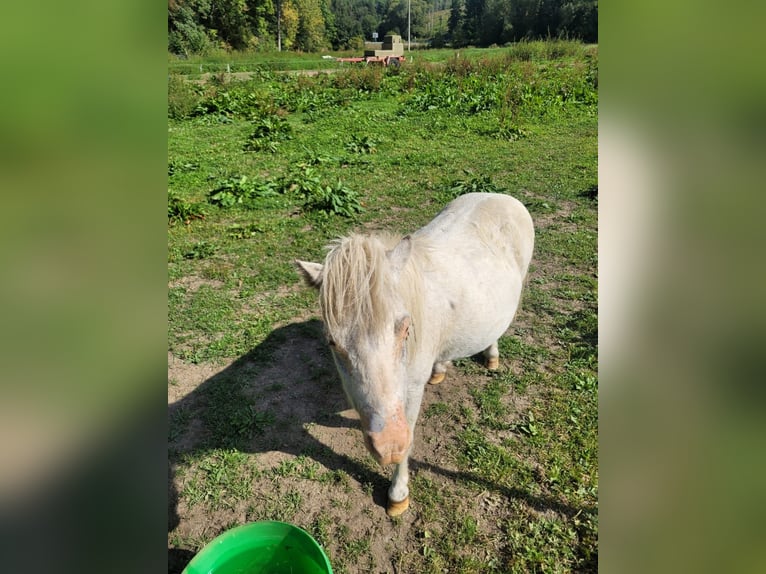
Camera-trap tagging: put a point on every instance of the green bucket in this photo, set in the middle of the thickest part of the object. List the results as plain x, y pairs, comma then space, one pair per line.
265, 547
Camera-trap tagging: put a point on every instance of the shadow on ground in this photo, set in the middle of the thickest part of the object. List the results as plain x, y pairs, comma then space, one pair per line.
263, 402
266, 401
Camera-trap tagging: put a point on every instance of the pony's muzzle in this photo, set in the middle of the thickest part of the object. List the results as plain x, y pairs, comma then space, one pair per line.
388, 441
386, 452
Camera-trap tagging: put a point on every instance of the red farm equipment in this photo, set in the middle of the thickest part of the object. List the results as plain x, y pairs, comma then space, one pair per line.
392, 53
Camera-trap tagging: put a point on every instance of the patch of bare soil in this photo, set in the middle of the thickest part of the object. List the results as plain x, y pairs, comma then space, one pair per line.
192, 283
244, 76
296, 384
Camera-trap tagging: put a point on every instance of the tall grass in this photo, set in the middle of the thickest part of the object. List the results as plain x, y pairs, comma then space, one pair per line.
528, 79
250, 61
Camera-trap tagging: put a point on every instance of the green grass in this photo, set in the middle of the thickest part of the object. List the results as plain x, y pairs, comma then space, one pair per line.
401, 143
219, 479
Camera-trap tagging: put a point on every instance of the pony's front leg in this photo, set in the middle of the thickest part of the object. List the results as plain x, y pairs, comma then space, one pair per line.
399, 493
439, 372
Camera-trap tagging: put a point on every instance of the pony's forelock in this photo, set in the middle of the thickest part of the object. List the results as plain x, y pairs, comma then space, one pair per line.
360, 291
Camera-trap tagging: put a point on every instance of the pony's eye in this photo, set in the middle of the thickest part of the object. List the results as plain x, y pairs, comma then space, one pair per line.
331, 343
402, 328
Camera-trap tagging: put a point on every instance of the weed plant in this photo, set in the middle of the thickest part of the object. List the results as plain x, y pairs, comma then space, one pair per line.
334, 199
269, 132
180, 210
241, 191
183, 97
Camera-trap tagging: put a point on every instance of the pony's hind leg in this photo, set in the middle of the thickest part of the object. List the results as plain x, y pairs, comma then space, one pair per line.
438, 373
493, 357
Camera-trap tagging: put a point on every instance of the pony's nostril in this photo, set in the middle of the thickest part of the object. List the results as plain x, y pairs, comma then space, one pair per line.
377, 424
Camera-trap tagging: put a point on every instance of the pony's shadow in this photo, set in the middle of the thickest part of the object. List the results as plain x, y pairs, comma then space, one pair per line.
266, 400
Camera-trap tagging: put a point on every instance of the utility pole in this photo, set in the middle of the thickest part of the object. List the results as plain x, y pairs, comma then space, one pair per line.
279, 26
409, 26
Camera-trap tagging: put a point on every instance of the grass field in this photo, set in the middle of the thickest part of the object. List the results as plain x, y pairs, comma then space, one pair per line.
504, 475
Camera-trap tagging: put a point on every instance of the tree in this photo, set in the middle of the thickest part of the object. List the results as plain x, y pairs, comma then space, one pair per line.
496, 24
186, 32
355, 21
455, 22
260, 14
579, 18
474, 11
329, 22
229, 19
347, 25
311, 26
547, 21
491, 21
288, 23
395, 19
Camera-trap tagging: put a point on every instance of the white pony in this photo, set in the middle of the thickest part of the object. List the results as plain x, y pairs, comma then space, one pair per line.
397, 310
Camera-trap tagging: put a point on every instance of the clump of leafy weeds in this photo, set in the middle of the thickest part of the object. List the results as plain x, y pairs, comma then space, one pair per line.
269, 132
200, 250
239, 100
175, 167
241, 191
474, 184
303, 183
362, 145
334, 199
237, 231
181, 210
317, 158
510, 132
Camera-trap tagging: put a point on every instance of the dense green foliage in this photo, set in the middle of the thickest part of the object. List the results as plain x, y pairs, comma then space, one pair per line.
197, 26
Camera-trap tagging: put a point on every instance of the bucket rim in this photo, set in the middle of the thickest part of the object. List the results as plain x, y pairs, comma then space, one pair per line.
230, 538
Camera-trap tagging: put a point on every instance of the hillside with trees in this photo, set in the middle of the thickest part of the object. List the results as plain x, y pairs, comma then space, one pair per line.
198, 26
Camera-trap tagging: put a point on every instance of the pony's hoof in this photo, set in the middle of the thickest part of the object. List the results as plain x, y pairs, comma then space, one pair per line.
397, 508
436, 378
493, 363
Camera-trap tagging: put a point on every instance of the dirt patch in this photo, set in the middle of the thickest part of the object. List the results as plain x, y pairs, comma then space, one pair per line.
244, 76
310, 453
192, 283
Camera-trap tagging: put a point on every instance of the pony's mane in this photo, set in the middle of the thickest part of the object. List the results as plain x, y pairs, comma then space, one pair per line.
359, 290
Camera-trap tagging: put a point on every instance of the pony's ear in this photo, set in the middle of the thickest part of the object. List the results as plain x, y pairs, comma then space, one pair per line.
398, 255
311, 272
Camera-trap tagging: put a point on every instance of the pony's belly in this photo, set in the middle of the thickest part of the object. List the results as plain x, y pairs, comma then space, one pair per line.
470, 337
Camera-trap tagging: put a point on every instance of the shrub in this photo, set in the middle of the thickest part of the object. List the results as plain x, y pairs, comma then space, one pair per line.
362, 78
183, 97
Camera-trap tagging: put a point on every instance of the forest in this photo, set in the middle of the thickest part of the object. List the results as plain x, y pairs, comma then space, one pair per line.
199, 26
